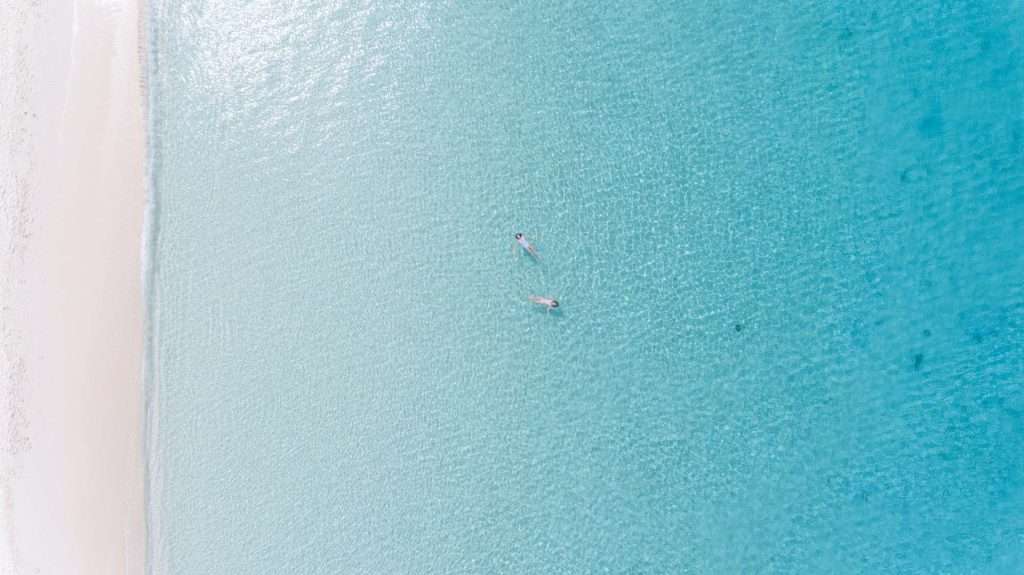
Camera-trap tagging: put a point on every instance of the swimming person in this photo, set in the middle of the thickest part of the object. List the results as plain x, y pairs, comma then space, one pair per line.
526, 245
548, 302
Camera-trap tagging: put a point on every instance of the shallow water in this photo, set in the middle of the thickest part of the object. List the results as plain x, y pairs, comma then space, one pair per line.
786, 239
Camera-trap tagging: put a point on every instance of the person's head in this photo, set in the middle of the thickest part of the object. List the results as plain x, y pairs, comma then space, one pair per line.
554, 303
519, 236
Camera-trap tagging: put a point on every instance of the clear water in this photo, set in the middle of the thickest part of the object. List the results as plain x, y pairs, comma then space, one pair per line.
787, 239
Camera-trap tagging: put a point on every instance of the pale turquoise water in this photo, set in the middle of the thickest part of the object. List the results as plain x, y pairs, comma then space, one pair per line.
787, 238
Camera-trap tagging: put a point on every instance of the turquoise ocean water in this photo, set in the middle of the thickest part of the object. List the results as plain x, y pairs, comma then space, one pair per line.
787, 239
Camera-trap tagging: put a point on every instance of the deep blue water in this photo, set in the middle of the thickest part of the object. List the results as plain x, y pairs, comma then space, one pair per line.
788, 241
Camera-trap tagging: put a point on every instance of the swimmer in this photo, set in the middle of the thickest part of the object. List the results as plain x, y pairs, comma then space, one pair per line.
526, 245
550, 303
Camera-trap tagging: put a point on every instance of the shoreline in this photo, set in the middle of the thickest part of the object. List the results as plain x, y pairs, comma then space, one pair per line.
73, 310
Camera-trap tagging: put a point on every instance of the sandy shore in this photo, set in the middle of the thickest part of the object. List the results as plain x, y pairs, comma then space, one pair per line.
72, 194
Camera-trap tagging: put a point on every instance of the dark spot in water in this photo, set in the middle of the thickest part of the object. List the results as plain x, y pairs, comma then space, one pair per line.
863, 494
931, 126
914, 174
984, 323
1002, 75
927, 333
1017, 135
738, 327
918, 361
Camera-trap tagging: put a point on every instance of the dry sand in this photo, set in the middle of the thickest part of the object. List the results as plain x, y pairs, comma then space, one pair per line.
72, 194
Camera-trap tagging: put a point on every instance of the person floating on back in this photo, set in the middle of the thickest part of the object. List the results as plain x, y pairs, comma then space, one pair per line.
526, 245
548, 302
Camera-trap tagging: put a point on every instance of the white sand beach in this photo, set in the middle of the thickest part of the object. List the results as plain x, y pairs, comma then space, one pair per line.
72, 195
